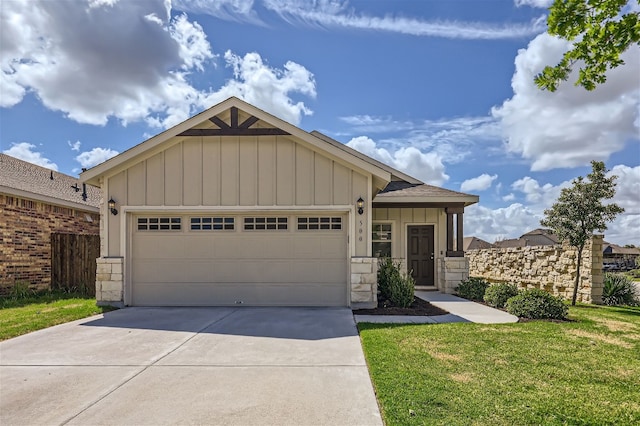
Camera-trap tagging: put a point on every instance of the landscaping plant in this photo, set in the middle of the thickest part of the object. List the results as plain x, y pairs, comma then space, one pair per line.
498, 294
537, 304
619, 290
395, 286
472, 289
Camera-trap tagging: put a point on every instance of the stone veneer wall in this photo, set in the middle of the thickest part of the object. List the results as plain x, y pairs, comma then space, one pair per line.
551, 268
110, 281
452, 270
25, 231
364, 282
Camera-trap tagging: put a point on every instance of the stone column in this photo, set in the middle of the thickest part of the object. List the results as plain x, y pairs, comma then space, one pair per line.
110, 281
452, 271
364, 282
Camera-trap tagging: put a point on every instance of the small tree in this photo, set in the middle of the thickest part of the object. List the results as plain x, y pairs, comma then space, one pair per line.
579, 211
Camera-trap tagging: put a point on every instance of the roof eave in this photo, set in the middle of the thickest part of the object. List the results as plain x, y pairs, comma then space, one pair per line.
453, 200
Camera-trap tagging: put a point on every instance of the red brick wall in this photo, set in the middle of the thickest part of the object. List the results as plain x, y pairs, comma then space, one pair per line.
25, 232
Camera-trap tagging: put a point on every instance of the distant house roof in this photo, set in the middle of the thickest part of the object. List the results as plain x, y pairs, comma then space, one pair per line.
24, 179
537, 237
614, 249
473, 243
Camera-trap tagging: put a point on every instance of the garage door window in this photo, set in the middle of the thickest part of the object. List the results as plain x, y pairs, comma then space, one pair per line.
212, 224
319, 223
265, 223
159, 224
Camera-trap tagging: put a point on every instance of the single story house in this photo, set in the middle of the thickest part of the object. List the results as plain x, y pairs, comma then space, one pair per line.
34, 203
237, 207
618, 258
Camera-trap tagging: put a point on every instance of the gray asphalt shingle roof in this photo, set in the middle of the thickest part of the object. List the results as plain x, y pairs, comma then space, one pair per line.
36, 180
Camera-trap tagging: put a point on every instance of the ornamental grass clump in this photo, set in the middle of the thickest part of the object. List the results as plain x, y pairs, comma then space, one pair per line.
537, 304
619, 290
498, 294
472, 289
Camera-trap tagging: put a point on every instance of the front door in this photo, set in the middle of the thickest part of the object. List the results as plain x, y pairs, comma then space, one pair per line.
420, 254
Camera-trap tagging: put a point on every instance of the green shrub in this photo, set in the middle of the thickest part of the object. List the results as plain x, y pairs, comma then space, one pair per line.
472, 289
393, 285
619, 290
537, 304
402, 288
498, 294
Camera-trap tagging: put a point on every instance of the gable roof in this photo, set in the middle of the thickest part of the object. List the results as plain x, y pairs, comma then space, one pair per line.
205, 120
24, 179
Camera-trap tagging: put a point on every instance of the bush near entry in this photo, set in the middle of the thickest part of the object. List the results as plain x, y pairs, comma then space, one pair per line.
472, 289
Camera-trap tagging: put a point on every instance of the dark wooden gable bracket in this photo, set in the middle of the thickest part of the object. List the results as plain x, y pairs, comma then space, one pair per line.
235, 129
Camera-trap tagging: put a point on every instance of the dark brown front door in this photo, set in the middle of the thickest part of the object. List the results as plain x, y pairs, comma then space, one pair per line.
420, 254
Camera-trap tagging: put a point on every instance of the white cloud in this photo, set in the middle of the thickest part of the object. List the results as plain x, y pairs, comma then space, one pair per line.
111, 59
25, 151
571, 126
130, 61
479, 183
96, 156
74, 146
451, 139
266, 87
338, 14
516, 219
509, 197
501, 223
534, 3
427, 167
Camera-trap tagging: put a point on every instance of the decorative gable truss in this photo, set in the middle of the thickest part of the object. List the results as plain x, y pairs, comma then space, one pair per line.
234, 128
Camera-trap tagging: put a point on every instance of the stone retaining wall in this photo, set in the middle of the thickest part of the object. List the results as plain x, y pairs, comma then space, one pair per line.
551, 268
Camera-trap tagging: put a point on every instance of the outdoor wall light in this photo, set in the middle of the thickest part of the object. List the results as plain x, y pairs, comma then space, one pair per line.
360, 204
112, 207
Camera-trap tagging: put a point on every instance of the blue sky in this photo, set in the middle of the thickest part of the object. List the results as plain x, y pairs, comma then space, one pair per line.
439, 89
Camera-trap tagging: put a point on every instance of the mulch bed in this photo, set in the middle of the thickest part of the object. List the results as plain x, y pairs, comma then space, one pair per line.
419, 307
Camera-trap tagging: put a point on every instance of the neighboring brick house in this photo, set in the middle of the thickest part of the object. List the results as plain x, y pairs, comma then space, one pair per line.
34, 203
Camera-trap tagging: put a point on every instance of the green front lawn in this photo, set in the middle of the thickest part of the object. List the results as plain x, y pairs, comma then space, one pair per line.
24, 315
585, 372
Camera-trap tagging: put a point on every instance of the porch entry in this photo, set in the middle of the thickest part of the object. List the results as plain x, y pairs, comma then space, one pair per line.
420, 254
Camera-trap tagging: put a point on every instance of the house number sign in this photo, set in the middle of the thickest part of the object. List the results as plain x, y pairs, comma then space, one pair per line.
360, 231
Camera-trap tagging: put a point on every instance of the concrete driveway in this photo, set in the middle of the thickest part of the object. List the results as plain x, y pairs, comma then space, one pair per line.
153, 366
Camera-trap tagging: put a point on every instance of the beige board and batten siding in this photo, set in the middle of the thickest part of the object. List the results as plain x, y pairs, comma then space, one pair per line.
236, 171
400, 218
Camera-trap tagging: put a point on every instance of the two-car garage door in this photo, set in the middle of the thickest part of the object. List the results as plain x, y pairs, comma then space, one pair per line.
257, 260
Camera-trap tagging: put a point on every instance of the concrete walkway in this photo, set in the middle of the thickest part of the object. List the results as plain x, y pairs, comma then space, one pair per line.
460, 310
214, 366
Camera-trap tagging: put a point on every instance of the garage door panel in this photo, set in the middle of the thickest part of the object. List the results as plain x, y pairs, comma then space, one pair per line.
234, 294
262, 268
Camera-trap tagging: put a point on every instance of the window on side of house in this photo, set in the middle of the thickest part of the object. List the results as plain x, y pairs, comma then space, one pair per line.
381, 239
159, 224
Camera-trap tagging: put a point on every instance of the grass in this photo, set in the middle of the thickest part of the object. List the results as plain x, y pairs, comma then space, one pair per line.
37, 311
583, 372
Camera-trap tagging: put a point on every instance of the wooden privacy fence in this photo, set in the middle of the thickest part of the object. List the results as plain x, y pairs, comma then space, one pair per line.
73, 262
